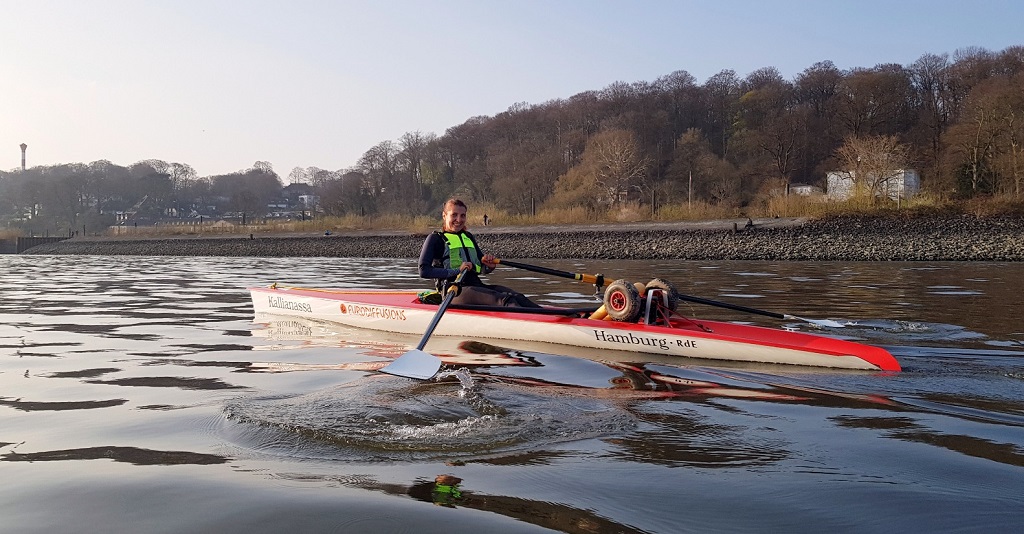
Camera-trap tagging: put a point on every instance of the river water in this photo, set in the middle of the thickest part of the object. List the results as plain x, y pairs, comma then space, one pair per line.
140, 394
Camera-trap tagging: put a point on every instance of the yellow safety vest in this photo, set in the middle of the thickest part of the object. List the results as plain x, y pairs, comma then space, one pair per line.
462, 248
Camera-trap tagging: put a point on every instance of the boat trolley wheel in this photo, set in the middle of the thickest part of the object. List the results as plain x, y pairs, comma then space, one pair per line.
622, 301
670, 292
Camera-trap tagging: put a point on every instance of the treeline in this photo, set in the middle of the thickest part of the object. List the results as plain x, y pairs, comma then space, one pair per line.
72, 197
958, 120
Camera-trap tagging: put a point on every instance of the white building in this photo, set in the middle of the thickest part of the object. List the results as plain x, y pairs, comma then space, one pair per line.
900, 184
805, 190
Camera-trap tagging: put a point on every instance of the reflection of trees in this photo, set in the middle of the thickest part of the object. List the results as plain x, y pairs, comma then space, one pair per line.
187, 383
684, 441
906, 429
554, 516
46, 406
131, 455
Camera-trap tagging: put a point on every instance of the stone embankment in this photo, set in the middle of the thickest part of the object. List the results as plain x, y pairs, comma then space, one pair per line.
961, 238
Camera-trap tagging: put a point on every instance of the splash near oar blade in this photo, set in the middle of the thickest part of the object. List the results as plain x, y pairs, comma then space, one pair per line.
414, 364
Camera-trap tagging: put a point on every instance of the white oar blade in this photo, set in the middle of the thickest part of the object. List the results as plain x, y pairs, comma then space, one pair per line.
414, 364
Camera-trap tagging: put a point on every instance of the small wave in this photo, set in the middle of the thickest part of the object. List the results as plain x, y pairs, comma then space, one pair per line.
385, 419
909, 332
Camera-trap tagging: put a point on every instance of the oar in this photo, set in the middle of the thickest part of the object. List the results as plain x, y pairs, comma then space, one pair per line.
599, 281
737, 307
419, 364
596, 279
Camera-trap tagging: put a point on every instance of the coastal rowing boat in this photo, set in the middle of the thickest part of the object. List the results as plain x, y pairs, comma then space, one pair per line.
401, 311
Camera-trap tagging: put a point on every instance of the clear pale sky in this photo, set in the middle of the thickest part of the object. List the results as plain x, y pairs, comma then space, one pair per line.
222, 84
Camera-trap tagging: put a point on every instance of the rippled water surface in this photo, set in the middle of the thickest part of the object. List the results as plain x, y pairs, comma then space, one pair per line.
140, 394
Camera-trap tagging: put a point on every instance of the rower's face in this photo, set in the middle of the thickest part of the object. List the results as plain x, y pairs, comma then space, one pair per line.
454, 219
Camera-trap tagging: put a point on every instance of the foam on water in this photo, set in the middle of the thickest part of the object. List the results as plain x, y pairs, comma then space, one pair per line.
389, 418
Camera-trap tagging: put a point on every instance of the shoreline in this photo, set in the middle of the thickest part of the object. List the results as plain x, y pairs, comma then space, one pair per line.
847, 238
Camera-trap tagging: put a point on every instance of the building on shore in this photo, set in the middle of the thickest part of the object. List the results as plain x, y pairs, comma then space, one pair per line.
805, 190
896, 185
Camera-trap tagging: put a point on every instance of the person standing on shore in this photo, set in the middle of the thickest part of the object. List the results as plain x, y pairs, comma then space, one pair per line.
452, 249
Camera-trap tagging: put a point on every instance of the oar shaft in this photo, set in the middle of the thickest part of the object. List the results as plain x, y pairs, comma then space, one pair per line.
450, 294
735, 307
599, 281
583, 277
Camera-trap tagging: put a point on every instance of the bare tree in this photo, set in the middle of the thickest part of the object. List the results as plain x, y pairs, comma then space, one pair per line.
875, 101
1006, 97
873, 163
818, 86
380, 165
298, 175
1013, 162
68, 193
318, 178
264, 167
345, 194
931, 78
618, 163
181, 174
986, 144
771, 119
720, 93
612, 166
248, 204
413, 148
690, 150
523, 171
575, 188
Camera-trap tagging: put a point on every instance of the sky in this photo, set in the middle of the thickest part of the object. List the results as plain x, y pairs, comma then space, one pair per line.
221, 84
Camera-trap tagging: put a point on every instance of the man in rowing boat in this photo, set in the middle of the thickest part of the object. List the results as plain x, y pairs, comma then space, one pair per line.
453, 249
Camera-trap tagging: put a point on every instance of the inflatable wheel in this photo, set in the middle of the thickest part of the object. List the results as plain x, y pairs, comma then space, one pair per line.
658, 283
622, 301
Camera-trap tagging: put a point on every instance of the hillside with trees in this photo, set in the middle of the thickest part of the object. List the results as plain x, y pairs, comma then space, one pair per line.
729, 141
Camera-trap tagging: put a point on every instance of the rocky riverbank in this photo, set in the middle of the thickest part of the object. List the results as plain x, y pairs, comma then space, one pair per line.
961, 238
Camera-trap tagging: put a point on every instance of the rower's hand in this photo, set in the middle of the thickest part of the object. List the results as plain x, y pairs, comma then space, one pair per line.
489, 261
466, 266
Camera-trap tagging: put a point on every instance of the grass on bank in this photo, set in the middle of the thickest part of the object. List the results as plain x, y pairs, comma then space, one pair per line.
791, 206
7, 234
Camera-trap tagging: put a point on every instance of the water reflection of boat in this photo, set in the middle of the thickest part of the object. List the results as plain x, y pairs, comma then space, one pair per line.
657, 377
452, 351
401, 312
